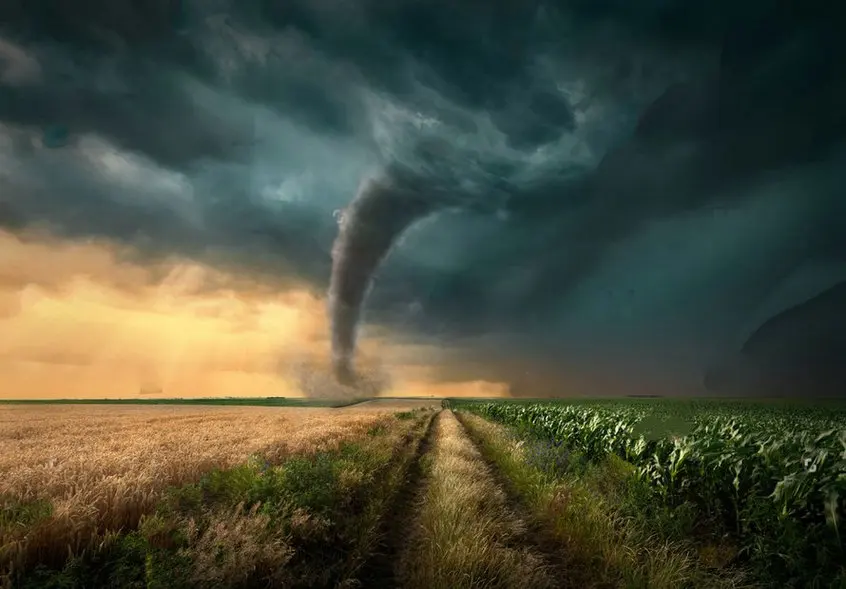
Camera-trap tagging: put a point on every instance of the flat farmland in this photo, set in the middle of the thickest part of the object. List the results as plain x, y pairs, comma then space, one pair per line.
423, 493
393, 404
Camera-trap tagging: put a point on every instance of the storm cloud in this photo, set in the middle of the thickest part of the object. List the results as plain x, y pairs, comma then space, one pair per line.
606, 186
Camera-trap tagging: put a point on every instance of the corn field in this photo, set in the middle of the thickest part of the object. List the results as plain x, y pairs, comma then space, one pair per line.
775, 476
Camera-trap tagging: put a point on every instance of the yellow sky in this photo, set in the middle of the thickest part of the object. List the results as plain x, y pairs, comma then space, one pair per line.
78, 321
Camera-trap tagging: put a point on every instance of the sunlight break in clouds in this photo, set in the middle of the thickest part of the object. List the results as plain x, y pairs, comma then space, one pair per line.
79, 321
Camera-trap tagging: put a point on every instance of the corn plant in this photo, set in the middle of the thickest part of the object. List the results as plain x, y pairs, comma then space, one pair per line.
775, 476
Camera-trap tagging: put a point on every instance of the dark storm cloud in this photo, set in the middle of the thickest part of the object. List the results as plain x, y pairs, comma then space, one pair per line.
800, 348
190, 88
702, 146
569, 133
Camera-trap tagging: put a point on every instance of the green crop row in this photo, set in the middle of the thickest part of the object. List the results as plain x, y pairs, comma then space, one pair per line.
775, 478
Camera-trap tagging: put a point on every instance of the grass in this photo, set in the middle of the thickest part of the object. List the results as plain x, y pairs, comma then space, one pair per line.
610, 536
15, 513
464, 535
307, 522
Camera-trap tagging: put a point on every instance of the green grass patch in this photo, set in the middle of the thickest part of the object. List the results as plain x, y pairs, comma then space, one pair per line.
19, 514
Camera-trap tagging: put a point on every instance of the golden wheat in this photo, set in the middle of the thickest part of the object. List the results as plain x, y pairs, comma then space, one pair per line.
241, 548
102, 467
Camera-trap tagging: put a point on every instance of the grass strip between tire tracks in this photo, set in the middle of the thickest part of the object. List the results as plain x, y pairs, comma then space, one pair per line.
464, 535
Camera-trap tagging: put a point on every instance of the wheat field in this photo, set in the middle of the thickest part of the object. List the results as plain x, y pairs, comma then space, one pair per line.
102, 467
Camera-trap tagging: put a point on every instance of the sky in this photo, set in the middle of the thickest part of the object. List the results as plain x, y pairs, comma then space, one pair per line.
543, 197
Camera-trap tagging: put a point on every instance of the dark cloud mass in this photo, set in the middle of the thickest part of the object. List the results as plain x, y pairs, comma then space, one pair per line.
800, 349
567, 189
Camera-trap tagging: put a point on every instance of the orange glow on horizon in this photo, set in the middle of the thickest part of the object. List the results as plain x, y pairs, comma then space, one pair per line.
79, 322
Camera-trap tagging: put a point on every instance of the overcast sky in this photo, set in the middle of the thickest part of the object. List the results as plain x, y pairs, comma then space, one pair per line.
627, 189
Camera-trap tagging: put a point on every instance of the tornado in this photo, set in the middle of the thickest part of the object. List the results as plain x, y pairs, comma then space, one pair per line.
381, 211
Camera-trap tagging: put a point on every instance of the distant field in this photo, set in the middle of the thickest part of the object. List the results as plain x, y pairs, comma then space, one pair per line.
677, 401
397, 492
226, 402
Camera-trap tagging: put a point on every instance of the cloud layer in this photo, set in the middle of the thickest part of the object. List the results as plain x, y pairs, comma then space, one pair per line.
612, 186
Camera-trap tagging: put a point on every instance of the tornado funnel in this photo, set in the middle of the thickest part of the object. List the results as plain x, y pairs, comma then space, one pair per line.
373, 221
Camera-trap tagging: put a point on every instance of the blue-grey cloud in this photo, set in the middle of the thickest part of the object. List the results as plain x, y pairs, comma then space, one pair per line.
599, 178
